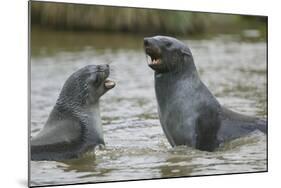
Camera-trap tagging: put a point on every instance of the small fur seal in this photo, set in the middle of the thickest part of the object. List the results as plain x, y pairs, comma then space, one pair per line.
189, 114
74, 124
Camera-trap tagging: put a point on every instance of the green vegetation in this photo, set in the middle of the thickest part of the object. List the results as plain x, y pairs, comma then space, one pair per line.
135, 20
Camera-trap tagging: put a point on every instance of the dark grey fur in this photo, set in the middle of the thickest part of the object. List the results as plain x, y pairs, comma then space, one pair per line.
188, 112
74, 125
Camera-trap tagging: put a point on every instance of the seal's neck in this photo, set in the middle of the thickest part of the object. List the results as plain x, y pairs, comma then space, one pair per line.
169, 85
93, 114
94, 123
181, 72
94, 111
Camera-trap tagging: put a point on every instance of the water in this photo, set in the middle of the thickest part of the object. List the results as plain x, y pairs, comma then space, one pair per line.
136, 148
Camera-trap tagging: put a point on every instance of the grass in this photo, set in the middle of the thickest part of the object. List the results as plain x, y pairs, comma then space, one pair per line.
136, 20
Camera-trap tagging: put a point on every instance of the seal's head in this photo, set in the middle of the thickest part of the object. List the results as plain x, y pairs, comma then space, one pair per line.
86, 85
167, 54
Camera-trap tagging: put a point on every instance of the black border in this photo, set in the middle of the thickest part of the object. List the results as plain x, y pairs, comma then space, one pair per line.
152, 179
29, 93
120, 6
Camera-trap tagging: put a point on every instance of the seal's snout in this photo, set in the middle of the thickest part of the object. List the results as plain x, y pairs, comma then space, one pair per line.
149, 44
102, 72
108, 84
101, 68
146, 41
153, 51
106, 66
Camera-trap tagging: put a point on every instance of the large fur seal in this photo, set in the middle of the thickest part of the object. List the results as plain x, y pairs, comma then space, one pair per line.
74, 124
189, 114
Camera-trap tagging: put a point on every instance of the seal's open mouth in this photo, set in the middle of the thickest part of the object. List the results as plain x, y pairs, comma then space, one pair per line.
109, 84
154, 61
153, 51
104, 73
154, 56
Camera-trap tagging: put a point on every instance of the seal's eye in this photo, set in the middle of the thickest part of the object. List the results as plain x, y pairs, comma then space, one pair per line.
168, 43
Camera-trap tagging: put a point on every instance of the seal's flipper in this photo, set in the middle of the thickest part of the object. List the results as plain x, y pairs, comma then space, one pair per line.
235, 125
55, 141
65, 131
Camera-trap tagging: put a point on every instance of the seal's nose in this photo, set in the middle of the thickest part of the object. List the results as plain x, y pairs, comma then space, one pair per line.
99, 67
102, 67
107, 69
146, 41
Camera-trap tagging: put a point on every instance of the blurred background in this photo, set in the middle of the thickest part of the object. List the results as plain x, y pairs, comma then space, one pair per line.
230, 52
77, 17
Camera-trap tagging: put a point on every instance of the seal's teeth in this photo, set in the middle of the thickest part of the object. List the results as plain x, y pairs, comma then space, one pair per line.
155, 61
150, 61
158, 61
109, 84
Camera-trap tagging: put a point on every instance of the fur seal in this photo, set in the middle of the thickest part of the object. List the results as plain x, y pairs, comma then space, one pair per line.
74, 124
189, 114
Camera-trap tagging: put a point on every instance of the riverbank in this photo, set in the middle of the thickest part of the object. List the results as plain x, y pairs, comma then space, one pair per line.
76, 17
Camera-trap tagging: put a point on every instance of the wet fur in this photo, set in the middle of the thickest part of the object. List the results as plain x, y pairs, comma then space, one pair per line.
74, 125
189, 114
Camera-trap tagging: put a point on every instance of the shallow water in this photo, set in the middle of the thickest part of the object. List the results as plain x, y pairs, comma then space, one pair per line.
136, 148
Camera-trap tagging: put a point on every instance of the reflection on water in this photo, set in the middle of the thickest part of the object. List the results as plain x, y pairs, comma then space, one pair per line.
136, 148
